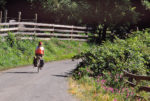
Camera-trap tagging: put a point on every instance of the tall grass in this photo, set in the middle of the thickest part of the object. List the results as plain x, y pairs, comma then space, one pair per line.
90, 89
15, 52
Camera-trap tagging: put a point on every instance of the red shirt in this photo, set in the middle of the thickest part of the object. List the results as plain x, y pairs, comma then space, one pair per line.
39, 50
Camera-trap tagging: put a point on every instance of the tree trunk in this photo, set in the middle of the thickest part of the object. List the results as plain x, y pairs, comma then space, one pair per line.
104, 32
99, 36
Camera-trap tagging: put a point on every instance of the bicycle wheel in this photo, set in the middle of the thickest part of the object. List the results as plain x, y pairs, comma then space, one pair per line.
38, 64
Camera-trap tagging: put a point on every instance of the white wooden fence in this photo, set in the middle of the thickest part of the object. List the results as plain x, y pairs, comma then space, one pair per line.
28, 30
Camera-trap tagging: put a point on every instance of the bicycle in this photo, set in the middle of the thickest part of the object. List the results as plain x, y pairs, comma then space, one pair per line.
38, 59
37, 62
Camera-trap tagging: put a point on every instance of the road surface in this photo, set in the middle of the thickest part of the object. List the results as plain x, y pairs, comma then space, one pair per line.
25, 84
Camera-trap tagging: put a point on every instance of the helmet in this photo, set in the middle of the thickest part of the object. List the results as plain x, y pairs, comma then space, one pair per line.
40, 43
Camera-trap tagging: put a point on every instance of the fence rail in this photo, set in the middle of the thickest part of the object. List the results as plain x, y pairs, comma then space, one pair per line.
137, 78
9, 29
62, 32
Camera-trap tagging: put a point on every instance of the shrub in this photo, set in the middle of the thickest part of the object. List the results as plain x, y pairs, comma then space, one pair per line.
11, 39
16, 52
110, 59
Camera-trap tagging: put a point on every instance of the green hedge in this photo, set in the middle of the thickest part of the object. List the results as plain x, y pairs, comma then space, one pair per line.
109, 59
15, 52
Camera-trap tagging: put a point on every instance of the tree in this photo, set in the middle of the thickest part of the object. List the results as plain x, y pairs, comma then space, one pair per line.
115, 15
146, 3
109, 14
2, 4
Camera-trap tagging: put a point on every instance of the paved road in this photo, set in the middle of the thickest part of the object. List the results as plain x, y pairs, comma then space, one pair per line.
25, 84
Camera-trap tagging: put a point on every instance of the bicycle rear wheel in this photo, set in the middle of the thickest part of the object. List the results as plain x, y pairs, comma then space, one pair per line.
38, 64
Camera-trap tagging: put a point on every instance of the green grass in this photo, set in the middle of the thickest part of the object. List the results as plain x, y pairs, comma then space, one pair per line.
15, 52
89, 89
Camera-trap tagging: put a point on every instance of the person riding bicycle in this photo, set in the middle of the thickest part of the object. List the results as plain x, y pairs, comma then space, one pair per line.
39, 52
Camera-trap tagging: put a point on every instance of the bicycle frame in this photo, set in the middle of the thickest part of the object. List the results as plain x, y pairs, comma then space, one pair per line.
38, 63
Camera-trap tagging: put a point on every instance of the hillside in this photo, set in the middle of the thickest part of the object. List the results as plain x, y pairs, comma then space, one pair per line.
16, 52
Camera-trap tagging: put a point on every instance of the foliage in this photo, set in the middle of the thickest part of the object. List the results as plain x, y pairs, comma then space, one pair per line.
2, 4
100, 72
15, 52
89, 89
146, 3
110, 59
112, 15
11, 40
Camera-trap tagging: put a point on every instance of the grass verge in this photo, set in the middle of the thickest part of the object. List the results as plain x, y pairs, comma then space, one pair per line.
14, 52
87, 89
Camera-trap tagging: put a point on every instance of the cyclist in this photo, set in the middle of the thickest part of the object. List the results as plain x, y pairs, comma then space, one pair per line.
39, 52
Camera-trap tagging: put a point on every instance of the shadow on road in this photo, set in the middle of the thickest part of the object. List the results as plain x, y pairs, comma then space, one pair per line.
60, 75
67, 74
21, 72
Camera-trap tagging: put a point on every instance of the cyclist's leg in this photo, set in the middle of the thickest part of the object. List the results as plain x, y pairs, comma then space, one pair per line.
35, 61
42, 61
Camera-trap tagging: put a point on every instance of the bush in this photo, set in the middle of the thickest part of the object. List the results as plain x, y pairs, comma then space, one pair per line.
15, 52
11, 39
110, 59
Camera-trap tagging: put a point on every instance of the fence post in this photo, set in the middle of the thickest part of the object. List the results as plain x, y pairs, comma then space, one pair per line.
53, 29
1, 16
6, 13
36, 18
72, 31
35, 23
19, 16
137, 28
